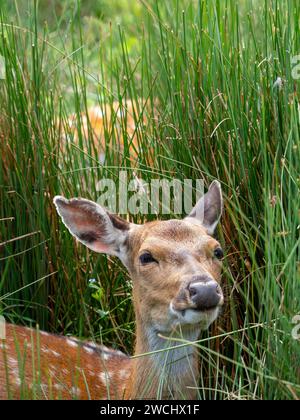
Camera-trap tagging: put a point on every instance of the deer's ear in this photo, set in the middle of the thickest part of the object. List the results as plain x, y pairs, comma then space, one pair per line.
209, 208
92, 225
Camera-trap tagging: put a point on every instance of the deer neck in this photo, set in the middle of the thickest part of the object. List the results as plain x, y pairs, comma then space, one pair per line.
169, 374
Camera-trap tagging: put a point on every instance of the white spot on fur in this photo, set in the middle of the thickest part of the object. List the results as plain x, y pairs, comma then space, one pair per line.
88, 349
17, 381
105, 356
105, 377
119, 353
71, 343
104, 348
13, 362
75, 391
50, 351
124, 374
44, 388
58, 387
52, 370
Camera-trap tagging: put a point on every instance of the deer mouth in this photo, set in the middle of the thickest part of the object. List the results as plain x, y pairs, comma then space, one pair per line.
193, 316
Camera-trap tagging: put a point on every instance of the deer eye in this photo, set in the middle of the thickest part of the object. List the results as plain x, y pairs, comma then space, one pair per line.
147, 258
218, 253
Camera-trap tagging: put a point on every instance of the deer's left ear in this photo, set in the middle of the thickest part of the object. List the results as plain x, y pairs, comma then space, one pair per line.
93, 225
209, 208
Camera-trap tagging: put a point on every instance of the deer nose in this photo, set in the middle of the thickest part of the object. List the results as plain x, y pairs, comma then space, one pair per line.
205, 293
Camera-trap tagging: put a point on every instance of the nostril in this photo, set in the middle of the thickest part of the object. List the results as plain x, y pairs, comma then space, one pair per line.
193, 291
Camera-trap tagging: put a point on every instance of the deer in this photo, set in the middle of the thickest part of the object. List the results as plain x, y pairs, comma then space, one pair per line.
175, 266
97, 120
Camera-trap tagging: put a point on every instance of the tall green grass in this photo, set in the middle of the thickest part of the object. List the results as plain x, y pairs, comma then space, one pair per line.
206, 73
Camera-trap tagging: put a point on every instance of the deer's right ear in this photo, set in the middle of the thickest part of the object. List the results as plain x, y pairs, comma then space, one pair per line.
92, 225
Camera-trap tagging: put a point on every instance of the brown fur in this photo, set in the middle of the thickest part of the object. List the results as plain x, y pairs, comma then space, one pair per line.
60, 367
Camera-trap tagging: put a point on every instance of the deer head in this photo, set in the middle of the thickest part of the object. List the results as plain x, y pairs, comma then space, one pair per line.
175, 265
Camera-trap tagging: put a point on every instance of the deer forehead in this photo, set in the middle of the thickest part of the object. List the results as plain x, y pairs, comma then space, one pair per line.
171, 237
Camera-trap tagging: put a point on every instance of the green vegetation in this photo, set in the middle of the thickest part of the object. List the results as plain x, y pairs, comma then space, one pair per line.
206, 71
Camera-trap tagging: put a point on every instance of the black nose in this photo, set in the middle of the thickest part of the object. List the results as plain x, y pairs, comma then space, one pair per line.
205, 293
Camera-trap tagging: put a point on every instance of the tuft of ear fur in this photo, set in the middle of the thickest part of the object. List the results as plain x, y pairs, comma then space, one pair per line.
209, 208
92, 225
